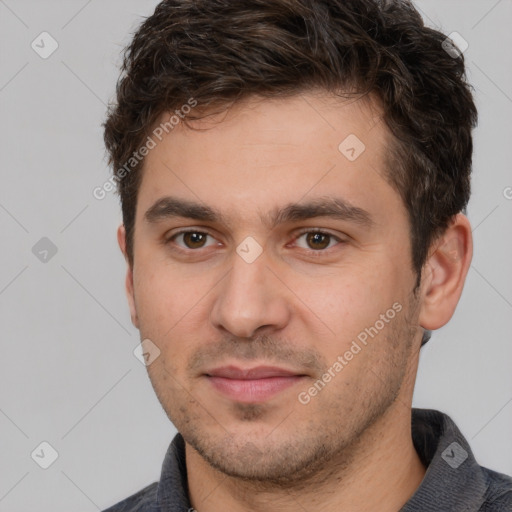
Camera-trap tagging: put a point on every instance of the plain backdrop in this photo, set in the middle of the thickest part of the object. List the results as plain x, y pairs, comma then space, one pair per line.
68, 373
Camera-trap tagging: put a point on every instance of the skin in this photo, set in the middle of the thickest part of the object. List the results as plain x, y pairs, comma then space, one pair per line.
299, 305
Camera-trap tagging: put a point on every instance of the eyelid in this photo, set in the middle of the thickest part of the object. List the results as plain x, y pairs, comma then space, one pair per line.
317, 230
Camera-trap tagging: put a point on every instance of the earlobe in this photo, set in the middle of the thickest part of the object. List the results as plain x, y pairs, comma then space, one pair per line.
445, 272
121, 240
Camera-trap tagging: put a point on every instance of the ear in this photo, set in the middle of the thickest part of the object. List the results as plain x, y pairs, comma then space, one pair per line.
121, 240
445, 272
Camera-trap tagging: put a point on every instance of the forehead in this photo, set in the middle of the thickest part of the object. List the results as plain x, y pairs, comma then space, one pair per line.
262, 153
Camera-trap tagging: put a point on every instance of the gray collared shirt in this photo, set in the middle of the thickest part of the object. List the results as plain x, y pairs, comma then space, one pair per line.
454, 481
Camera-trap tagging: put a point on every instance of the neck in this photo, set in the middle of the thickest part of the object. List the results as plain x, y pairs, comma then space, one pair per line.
381, 472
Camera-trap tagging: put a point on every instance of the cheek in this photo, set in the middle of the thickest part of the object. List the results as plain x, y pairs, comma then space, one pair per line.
163, 293
171, 306
348, 300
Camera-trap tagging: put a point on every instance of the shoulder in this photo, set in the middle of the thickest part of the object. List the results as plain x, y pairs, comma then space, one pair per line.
142, 501
498, 497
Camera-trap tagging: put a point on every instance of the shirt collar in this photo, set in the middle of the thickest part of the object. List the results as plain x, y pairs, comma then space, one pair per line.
172, 492
453, 476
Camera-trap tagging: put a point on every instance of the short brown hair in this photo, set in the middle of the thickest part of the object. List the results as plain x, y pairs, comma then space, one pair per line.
221, 51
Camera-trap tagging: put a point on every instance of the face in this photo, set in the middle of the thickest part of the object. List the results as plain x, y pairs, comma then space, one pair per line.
272, 270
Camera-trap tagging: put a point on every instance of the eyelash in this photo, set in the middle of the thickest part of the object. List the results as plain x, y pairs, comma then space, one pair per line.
314, 252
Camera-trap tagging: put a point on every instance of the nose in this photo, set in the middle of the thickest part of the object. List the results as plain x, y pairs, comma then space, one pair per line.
250, 298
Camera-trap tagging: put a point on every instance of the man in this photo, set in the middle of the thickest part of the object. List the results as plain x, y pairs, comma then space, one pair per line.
293, 176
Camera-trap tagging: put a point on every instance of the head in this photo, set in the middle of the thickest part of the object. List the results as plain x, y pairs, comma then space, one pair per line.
247, 122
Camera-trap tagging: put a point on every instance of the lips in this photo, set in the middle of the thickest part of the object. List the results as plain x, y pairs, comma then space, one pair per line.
259, 372
252, 385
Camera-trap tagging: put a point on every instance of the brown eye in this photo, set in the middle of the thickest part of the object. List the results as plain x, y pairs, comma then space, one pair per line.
194, 239
317, 240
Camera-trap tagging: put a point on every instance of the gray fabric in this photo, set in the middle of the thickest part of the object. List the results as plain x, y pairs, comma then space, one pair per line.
454, 482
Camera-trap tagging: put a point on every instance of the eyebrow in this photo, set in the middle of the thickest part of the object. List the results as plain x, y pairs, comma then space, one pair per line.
336, 208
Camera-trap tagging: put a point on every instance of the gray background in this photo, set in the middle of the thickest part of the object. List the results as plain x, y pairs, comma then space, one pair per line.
68, 373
